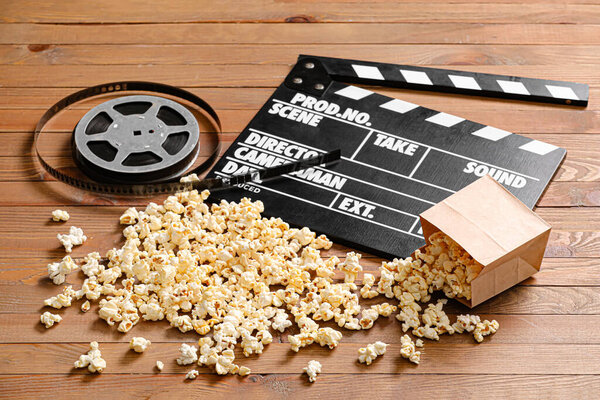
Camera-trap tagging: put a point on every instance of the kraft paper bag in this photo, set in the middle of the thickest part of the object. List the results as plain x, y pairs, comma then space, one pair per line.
496, 229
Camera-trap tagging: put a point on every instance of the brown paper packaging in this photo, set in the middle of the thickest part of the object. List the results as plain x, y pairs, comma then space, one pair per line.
496, 229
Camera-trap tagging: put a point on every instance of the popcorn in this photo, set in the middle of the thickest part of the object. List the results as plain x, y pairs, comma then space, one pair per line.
485, 328
328, 337
129, 217
466, 323
93, 359
189, 178
85, 307
188, 355
49, 319
351, 267
434, 315
160, 365
366, 292
367, 355
224, 363
58, 271
139, 344
224, 268
302, 339
62, 300
75, 237
91, 266
312, 370
369, 316
408, 350
281, 321
191, 375
60, 215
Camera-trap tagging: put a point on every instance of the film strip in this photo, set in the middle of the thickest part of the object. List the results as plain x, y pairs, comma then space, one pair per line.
151, 141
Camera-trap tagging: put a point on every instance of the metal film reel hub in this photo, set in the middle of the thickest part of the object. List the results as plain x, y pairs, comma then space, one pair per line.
136, 139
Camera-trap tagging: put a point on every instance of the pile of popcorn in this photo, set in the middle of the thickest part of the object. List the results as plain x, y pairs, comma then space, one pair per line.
226, 270
442, 266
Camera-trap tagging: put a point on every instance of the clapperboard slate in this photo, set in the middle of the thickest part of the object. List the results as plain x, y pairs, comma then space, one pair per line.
398, 159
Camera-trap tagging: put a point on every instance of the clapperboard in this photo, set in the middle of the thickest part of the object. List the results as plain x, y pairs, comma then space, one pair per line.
398, 159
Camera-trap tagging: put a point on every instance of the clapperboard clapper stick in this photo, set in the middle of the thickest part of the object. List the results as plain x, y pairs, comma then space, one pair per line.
397, 159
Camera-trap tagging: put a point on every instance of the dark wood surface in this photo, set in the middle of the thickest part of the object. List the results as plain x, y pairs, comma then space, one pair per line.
233, 53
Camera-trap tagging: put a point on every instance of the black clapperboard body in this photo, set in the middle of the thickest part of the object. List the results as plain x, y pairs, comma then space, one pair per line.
398, 159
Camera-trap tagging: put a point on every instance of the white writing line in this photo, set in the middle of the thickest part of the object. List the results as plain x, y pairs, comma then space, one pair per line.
334, 200
409, 140
361, 145
419, 163
414, 224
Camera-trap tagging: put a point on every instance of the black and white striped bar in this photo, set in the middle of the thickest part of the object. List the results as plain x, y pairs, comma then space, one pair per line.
449, 81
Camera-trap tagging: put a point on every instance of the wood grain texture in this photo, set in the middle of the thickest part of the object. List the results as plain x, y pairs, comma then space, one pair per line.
233, 75
233, 53
444, 54
293, 386
437, 358
41, 35
72, 11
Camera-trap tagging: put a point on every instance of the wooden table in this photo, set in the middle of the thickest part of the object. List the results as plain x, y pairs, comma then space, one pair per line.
233, 54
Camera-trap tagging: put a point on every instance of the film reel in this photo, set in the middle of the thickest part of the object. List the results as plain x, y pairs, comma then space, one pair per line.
136, 139
113, 149
141, 144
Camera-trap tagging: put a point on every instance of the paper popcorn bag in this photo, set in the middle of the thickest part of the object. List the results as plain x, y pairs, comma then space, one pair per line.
496, 229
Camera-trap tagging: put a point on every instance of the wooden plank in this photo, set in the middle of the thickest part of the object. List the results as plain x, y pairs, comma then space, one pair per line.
278, 358
567, 121
138, 11
267, 33
295, 386
81, 328
237, 75
567, 194
443, 54
567, 271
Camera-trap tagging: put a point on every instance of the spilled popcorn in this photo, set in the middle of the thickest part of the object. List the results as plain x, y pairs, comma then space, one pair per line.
408, 350
58, 271
75, 237
92, 360
193, 374
312, 370
49, 319
367, 355
160, 365
60, 215
234, 277
139, 344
